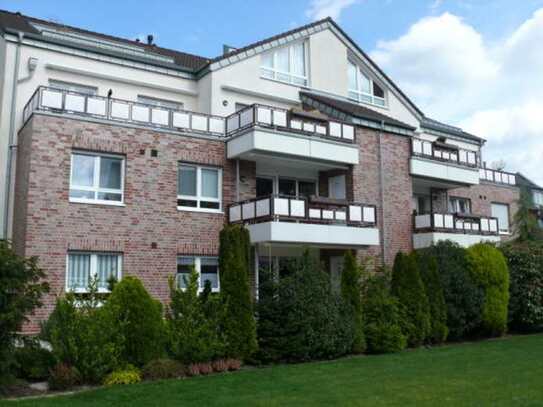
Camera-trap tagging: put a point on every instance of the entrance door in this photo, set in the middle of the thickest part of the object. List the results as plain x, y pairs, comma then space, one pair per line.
336, 267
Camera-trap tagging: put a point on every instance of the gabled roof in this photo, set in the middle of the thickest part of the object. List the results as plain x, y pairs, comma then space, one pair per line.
433, 124
523, 180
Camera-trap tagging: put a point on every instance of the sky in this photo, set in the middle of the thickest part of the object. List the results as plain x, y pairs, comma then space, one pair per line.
477, 64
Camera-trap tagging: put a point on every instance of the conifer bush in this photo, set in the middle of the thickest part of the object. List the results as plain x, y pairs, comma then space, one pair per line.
407, 287
234, 264
489, 269
351, 291
138, 320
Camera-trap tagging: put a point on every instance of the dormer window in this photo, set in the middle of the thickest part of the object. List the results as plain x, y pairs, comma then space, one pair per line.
363, 89
286, 64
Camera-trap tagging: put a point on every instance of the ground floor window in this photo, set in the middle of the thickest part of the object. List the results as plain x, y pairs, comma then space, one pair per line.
84, 267
206, 267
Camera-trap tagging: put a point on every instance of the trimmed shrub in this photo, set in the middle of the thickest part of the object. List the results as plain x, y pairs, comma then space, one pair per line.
489, 269
351, 291
193, 324
407, 287
381, 316
129, 375
234, 263
33, 362
63, 377
137, 318
21, 290
463, 296
436, 301
159, 369
525, 262
82, 337
300, 318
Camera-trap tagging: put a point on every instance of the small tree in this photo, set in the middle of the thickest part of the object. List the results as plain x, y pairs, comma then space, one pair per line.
20, 293
351, 291
408, 288
525, 222
137, 317
234, 266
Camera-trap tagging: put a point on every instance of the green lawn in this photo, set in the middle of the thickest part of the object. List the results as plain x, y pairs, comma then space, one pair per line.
497, 372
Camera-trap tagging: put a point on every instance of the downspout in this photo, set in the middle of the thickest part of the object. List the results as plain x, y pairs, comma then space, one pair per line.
11, 146
237, 180
382, 192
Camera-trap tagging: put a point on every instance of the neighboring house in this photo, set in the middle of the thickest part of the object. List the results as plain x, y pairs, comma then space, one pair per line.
130, 157
536, 195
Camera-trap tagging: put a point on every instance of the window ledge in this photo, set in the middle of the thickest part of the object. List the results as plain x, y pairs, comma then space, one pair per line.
202, 210
96, 202
306, 87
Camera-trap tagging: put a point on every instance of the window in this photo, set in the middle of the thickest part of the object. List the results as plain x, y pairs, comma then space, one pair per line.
73, 87
83, 267
166, 104
286, 64
97, 179
363, 89
199, 188
264, 186
460, 205
501, 211
538, 198
206, 267
336, 187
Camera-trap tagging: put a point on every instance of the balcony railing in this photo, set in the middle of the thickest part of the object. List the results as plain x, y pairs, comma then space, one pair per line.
286, 208
427, 149
456, 223
498, 177
80, 104
282, 119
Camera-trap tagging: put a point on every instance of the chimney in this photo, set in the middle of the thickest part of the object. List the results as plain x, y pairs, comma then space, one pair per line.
150, 39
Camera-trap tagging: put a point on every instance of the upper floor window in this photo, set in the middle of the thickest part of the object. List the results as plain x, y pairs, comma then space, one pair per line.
286, 64
206, 267
363, 89
73, 87
84, 267
501, 211
166, 104
199, 188
97, 178
538, 198
460, 205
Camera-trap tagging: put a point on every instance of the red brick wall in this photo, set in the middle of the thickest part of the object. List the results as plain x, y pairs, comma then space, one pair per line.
54, 225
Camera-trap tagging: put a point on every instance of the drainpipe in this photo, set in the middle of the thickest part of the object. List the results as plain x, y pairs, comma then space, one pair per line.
237, 180
11, 145
382, 192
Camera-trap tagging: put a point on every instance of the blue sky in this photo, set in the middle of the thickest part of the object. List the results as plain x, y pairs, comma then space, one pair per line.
473, 63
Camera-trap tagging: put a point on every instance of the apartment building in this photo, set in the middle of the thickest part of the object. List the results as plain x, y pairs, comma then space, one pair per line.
128, 158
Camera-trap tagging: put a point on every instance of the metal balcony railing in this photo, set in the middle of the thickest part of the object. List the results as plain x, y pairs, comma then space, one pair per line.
285, 208
498, 177
456, 223
427, 149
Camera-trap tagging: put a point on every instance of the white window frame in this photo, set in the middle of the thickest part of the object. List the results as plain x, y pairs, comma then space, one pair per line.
274, 72
538, 198
454, 203
93, 269
198, 267
360, 94
96, 187
502, 231
73, 87
198, 197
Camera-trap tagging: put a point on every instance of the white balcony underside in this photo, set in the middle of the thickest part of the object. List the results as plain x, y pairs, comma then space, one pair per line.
422, 240
313, 234
256, 142
442, 171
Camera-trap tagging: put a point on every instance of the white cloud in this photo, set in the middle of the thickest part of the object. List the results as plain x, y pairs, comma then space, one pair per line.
493, 90
319, 9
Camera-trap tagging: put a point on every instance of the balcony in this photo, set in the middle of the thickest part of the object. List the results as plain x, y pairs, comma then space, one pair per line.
465, 230
121, 111
264, 131
316, 221
441, 162
497, 177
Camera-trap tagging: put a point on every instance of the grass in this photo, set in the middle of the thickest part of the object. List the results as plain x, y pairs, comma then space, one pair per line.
498, 372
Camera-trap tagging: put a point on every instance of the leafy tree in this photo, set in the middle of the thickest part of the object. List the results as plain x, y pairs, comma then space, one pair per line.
407, 287
234, 266
351, 291
20, 293
436, 300
138, 318
489, 269
525, 222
